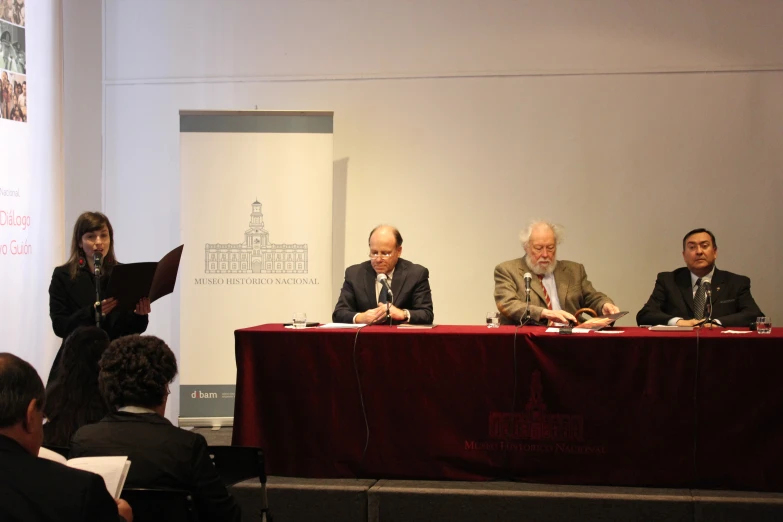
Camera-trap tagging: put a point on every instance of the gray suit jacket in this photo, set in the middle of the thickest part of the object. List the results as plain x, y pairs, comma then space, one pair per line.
574, 291
410, 287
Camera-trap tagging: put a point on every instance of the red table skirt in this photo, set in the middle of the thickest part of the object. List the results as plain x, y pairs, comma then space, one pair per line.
687, 409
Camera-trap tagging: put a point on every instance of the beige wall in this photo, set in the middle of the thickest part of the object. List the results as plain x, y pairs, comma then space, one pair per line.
627, 122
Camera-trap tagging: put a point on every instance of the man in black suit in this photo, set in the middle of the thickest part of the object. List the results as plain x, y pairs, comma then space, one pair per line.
34, 489
676, 294
365, 300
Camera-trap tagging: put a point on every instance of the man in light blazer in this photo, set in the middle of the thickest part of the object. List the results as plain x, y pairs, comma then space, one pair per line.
363, 298
672, 299
558, 288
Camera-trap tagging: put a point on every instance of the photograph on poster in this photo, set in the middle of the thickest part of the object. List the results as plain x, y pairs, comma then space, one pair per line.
12, 11
13, 96
12, 48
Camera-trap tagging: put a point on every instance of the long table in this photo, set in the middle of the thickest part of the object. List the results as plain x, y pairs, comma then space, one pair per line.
701, 409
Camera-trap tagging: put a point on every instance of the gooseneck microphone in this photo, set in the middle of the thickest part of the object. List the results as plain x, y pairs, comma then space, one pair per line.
381, 278
97, 259
528, 279
706, 283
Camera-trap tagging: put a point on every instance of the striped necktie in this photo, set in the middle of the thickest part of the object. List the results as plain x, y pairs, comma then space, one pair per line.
546, 294
699, 300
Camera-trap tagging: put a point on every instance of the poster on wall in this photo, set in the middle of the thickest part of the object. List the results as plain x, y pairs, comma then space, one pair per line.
13, 62
256, 192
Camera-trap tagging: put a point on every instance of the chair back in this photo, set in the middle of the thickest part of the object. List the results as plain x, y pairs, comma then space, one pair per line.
160, 505
237, 463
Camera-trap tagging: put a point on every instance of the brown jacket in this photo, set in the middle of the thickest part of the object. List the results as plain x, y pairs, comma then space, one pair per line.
574, 290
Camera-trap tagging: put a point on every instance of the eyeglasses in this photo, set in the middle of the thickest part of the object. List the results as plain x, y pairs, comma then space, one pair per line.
384, 255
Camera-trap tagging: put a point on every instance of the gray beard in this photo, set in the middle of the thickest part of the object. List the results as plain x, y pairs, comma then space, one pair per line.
541, 271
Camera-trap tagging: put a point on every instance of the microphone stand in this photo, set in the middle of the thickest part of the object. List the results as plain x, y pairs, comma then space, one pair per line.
97, 295
388, 305
526, 315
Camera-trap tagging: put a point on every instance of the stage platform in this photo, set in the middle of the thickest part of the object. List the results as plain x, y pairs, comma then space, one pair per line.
369, 500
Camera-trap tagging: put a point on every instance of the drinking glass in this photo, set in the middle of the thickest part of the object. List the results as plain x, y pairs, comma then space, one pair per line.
764, 325
493, 319
300, 320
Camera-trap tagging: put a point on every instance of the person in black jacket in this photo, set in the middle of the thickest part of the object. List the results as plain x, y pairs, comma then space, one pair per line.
72, 296
134, 378
34, 489
675, 296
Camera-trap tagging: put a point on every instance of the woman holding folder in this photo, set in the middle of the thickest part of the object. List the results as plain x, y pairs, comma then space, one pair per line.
73, 293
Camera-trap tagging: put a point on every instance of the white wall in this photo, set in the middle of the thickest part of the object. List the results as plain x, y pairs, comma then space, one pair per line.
628, 122
31, 156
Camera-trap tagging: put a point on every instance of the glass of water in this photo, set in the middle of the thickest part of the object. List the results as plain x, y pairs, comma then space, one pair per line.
764, 325
493, 319
300, 320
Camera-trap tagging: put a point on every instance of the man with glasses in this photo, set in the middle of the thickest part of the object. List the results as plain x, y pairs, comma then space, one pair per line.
365, 300
557, 288
679, 297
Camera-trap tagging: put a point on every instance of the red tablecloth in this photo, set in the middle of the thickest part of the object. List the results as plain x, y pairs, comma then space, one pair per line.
640, 408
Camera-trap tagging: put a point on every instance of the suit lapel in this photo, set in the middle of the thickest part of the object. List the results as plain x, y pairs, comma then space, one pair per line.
369, 287
684, 284
398, 280
718, 282
561, 282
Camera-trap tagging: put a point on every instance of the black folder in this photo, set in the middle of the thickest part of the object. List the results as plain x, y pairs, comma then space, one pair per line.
130, 282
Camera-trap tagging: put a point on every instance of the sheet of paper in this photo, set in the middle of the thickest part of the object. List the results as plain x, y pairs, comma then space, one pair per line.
740, 332
342, 325
610, 331
114, 470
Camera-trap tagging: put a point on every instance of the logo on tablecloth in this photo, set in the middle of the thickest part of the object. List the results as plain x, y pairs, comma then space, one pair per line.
536, 430
256, 255
536, 423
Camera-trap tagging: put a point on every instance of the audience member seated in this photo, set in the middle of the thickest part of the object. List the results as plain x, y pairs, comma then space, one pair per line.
34, 489
73, 399
135, 374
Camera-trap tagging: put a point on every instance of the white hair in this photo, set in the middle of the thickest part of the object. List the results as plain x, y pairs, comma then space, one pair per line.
524, 235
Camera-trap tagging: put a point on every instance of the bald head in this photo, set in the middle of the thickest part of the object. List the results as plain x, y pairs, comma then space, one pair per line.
385, 248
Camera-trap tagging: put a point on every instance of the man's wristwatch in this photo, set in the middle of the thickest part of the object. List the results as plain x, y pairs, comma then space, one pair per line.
407, 316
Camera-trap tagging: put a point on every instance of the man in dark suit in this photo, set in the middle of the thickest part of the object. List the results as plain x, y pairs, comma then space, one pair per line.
679, 297
34, 489
365, 300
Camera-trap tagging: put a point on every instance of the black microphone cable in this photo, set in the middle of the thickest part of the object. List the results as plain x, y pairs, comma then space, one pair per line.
361, 393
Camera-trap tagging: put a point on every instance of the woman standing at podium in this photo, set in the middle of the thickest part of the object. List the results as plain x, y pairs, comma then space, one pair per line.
72, 292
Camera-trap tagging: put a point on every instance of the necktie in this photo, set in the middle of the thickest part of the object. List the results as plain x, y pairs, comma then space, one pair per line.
546, 294
383, 298
699, 300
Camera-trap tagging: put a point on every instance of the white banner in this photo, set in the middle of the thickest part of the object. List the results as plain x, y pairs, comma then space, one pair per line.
257, 229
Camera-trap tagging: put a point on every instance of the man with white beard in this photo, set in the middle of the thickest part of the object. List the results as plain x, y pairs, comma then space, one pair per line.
557, 288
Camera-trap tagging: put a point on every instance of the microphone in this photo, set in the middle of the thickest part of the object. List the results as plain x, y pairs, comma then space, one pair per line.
97, 259
706, 283
528, 279
381, 278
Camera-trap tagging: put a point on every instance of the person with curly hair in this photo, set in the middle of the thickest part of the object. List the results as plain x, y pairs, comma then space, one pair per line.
135, 374
74, 399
